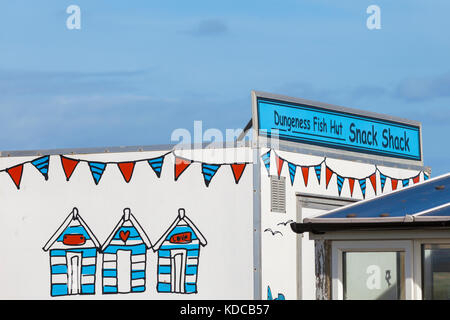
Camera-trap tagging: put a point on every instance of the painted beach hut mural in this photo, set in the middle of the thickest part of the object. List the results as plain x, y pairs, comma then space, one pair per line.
73, 257
125, 257
178, 256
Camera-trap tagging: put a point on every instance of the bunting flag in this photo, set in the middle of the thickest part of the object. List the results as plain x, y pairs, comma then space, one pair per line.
340, 183
238, 170
405, 182
292, 169
156, 164
329, 174
351, 183
394, 183
209, 170
362, 184
42, 164
373, 181
279, 161
97, 169
69, 166
181, 165
16, 174
305, 173
126, 168
318, 170
383, 181
341, 179
266, 160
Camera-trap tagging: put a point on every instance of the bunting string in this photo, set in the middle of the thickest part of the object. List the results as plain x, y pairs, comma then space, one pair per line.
340, 179
209, 170
126, 168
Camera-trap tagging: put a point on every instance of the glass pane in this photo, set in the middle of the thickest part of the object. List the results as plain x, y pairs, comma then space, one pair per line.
374, 275
436, 271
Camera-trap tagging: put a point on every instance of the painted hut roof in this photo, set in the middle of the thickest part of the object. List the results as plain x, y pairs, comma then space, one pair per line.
73, 224
128, 220
180, 220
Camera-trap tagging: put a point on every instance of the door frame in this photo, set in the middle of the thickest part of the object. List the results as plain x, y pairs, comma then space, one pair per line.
119, 272
69, 256
173, 271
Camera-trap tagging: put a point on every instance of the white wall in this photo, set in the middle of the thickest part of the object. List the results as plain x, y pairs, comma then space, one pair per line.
223, 212
279, 253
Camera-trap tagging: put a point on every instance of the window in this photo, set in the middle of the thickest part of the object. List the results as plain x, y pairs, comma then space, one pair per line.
367, 270
436, 271
374, 275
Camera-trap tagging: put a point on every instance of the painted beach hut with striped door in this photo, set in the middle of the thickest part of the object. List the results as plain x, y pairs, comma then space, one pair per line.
125, 257
178, 256
73, 257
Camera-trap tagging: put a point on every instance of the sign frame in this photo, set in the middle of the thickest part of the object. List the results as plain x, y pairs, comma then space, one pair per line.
258, 96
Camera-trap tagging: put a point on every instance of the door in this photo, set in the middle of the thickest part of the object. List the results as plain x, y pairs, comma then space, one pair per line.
178, 270
74, 272
123, 271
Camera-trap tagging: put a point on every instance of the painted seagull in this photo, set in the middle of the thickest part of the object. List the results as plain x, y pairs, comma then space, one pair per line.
285, 223
273, 232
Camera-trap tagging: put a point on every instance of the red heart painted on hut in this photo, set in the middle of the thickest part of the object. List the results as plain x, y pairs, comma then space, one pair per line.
124, 235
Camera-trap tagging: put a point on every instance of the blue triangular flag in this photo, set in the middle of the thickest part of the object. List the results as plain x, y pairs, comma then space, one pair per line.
383, 181
97, 169
156, 164
292, 169
209, 170
340, 183
266, 159
318, 170
42, 165
405, 182
362, 184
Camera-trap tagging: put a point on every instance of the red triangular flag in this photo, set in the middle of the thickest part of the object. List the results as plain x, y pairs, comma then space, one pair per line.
373, 180
127, 170
394, 183
305, 172
68, 166
181, 164
238, 169
416, 179
16, 174
351, 182
279, 163
329, 174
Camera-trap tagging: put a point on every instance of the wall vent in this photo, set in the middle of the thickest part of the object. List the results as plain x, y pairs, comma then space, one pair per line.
278, 194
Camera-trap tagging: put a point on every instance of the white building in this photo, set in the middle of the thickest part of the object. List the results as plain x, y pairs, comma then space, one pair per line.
243, 197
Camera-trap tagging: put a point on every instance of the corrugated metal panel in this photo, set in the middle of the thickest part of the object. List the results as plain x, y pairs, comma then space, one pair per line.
278, 194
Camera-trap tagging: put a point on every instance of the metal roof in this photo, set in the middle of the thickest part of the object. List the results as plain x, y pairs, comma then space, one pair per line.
421, 205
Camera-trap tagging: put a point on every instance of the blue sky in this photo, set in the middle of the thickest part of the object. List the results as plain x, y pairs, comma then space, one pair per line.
138, 70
